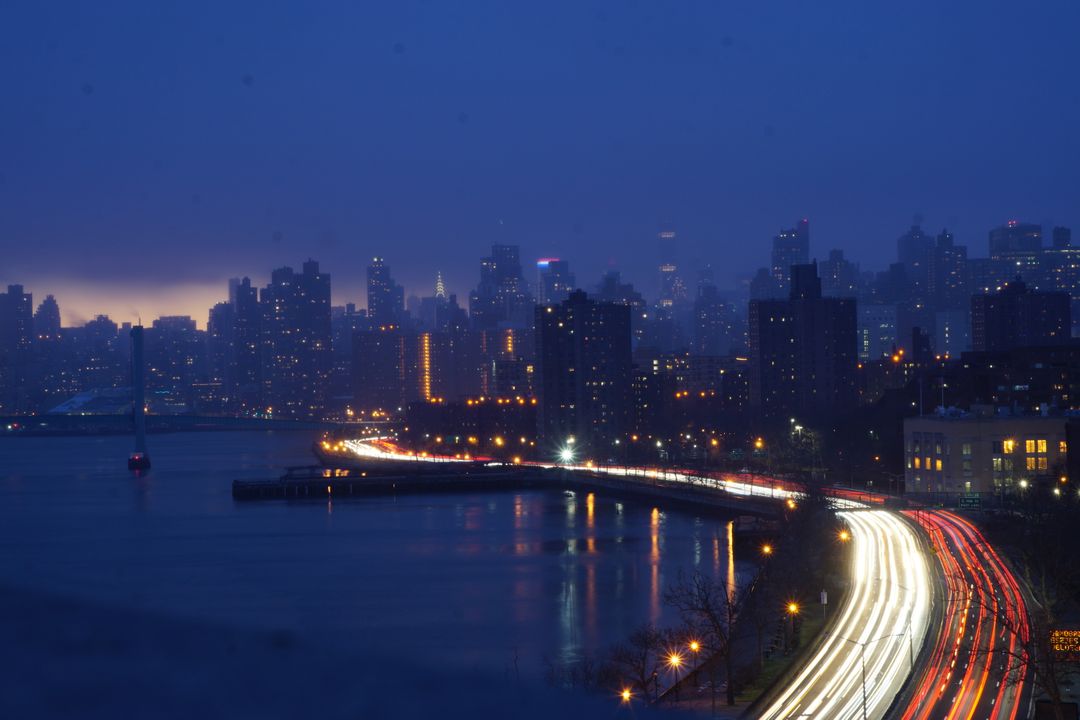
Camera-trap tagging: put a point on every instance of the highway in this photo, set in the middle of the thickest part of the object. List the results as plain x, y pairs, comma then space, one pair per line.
735, 484
881, 627
973, 671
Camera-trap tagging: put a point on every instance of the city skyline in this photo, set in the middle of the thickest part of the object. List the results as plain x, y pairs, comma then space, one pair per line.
81, 301
572, 131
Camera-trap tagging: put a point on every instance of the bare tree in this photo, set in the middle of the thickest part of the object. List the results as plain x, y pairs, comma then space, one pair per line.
1045, 541
711, 609
638, 659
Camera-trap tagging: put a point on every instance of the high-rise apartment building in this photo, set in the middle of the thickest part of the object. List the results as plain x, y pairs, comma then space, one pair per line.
296, 342
554, 281
385, 298
584, 358
502, 298
1018, 317
790, 247
803, 351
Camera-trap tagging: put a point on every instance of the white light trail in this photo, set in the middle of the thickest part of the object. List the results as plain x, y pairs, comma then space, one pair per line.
883, 622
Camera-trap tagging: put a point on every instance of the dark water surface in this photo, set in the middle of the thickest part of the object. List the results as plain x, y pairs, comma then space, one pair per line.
471, 581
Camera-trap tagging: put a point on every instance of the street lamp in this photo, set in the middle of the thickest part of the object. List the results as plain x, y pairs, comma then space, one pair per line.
844, 535
567, 454
792, 610
674, 662
862, 660
626, 695
766, 549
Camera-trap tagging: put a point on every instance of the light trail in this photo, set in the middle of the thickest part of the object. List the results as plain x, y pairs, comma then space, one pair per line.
975, 669
384, 449
882, 623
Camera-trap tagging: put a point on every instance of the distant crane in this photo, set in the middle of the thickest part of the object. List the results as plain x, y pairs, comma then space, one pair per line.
139, 460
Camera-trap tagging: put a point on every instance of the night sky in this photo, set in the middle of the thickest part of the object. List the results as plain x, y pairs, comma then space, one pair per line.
152, 150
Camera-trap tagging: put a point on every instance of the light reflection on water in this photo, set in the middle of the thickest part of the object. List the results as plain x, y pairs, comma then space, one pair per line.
468, 580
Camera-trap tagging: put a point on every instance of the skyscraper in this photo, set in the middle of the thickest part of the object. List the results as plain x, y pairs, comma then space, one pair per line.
714, 322
385, 298
1019, 245
16, 345
948, 274
174, 361
501, 299
914, 250
839, 276
296, 341
554, 281
1018, 317
803, 351
790, 247
583, 351
247, 317
672, 287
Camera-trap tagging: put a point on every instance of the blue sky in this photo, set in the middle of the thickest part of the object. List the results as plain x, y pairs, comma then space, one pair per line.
152, 150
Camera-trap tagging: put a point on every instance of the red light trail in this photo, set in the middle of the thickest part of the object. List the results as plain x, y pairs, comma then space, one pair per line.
974, 669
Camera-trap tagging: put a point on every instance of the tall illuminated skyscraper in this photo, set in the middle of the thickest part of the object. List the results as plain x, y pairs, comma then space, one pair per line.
554, 281
672, 287
790, 247
385, 298
501, 299
296, 341
584, 355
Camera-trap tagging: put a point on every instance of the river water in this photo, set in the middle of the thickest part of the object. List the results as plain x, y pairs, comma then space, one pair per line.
496, 582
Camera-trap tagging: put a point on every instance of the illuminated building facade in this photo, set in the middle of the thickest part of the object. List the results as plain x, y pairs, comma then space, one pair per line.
16, 345
295, 352
554, 281
982, 452
385, 298
790, 247
803, 351
502, 298
584, 359
1017, 317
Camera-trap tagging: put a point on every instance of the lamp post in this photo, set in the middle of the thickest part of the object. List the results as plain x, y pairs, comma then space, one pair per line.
674, 661
862, 659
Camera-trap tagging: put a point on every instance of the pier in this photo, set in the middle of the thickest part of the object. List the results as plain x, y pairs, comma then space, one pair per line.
379, 477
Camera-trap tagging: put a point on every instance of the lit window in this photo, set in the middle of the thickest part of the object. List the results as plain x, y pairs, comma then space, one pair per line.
918, 463
997, 464
1042, 463
937, 464
965, 449
1029, 447
1008, 446
1041, 446
1062, 447
1030, 463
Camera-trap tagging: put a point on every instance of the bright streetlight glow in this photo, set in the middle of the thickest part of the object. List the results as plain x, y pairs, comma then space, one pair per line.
566, 454
674, 660
766, 549
844, 536
626, 695
694, 646
793, 608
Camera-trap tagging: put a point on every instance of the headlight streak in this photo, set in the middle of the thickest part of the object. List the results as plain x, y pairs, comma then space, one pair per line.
884, 617
384, 449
